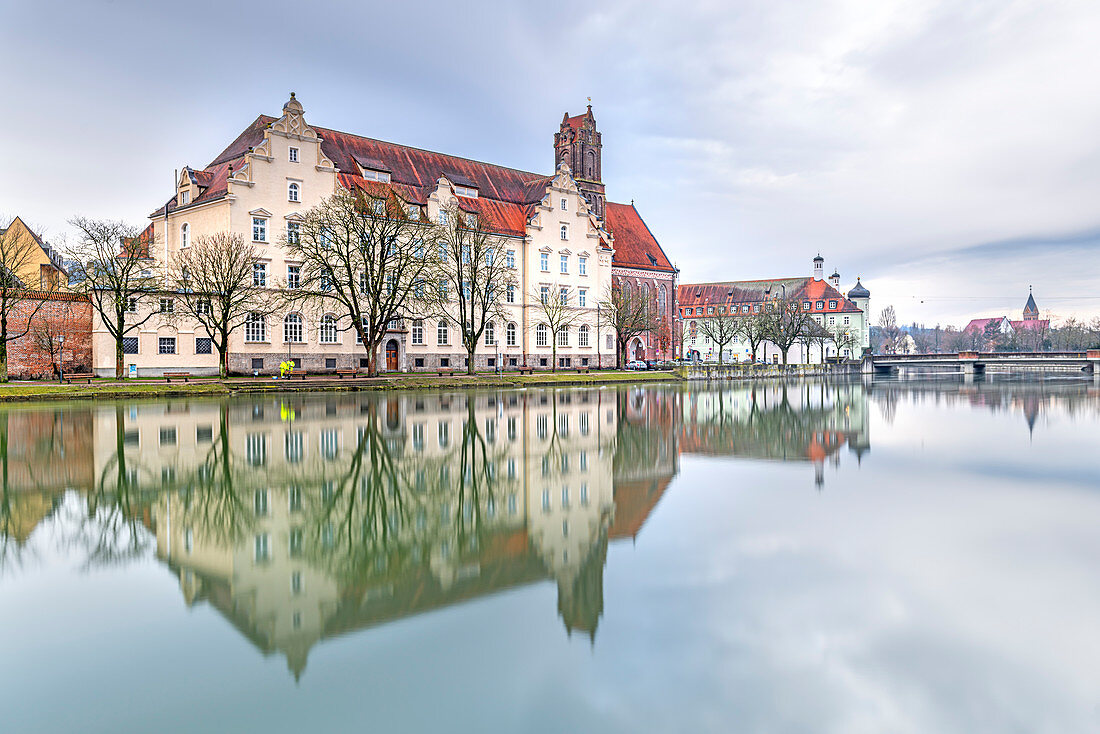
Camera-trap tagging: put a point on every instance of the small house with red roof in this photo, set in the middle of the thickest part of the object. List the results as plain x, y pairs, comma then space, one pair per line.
844, 317
559, 232
1029, 332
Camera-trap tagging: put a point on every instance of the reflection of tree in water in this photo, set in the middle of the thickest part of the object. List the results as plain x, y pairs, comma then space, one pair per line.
111, 531
772, 427
385, 512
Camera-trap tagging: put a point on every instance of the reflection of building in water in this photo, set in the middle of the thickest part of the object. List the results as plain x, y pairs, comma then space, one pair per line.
778, 421
303, 519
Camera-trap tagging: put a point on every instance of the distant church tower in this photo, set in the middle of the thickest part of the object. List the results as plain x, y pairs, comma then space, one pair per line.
1031, 311
579, 145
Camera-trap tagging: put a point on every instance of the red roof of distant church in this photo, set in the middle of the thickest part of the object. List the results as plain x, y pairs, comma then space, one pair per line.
635, 245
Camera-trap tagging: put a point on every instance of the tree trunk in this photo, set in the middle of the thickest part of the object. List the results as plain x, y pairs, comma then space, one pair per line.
470, 359
223, 363
4, 344
554, 353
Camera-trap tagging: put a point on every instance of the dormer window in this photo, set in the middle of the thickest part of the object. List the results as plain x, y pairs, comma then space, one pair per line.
293, 155
379, 176
293, 192
185, 198
468, 191
379, 207
471, 221
414, 212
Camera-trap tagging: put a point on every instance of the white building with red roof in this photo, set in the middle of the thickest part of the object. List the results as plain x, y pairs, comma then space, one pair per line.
559, 228
844, 315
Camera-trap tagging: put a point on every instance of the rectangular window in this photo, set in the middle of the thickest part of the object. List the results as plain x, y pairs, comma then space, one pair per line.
130, 345
847, 320
262, 548
582, 336
510, 258
259, 229
204, 434
510, 294
806, 305
563, 336
441, 333
293, 233
259, 274
820, 305
293, 276
166, 345
293, 155
203, 345
417, 332
168, 437
544, 262
582, 297
832, 305
582, 265
167, 305
564, 204
564, 264
563, 296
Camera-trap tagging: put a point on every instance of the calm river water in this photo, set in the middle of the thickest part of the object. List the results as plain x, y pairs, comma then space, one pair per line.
916, 556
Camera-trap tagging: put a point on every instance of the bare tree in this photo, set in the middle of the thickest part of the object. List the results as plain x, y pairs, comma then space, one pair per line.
116, 269
843, 337
219, 287
891, 333
721, 327
20, 255
556, 309
364, 254
753, 328
628, 313
785, 321
471, 277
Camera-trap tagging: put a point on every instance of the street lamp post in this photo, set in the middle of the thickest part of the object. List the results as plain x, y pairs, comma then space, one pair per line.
61, 359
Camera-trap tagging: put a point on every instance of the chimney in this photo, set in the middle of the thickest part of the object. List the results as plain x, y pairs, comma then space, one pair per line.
819, 267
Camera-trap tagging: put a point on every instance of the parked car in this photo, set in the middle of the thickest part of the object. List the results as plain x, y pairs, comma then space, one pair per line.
636, 364
651, 364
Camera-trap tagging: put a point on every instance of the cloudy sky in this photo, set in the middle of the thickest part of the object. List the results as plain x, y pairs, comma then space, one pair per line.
947, 152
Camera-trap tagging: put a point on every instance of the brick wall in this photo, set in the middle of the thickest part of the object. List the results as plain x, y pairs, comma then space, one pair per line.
59, 315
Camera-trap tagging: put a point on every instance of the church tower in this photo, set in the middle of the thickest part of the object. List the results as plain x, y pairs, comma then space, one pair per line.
578, 145
1031, 311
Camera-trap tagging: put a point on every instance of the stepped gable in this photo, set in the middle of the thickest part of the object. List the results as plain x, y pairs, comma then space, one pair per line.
635, 245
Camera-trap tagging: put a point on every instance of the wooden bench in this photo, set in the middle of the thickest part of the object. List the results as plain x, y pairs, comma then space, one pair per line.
185, 376
583, 370
86, 376
445, 371
341, 374
526, 370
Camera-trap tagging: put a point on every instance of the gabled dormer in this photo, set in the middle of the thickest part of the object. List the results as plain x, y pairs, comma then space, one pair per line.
372, 169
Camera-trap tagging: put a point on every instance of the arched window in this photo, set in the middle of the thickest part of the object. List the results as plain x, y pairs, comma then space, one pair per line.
582, 336
626, 290
591, 168
328, 329
510, 335
565, 231
292, 328
441, 333
542, 336
662, 299
255, 330
292, 192
490, 334
185, 235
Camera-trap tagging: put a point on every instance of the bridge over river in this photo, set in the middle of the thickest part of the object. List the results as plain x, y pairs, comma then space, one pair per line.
975, 363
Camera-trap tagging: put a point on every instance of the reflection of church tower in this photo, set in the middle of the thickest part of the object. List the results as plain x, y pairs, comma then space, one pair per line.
580, 603
579, 145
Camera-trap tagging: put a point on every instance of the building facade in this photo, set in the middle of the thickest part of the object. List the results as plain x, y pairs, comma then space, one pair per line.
847, 316
553, 227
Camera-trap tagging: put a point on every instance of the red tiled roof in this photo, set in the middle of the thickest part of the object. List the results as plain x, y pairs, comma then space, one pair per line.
635, 245
980, 324
1031, 324
690, 295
